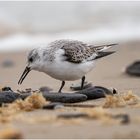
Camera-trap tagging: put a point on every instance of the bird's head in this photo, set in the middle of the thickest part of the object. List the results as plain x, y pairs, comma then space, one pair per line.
33, 62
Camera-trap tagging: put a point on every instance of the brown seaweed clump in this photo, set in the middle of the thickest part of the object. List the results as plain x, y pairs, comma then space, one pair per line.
130, 98
8, 111
35, 101
99, 113
121, 100
114, 101
10, 133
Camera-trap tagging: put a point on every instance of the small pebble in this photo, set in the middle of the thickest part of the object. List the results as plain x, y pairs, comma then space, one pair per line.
64, 97
53, 105
8, 97
75, 87
27, 90
44, 89
7, 63
125, 119
58, 106
133, 69
114, 91
73, 115
97, 92
6, 89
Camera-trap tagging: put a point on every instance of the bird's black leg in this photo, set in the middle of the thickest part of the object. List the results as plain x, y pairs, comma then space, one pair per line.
62, 85
82, 83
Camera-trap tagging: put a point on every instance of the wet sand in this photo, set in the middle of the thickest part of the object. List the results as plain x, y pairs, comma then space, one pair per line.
108, 73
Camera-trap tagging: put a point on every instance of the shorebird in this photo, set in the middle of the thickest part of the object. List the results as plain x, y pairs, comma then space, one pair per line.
65, 60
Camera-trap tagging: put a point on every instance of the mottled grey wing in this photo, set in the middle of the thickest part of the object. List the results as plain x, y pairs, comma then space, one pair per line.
77, 52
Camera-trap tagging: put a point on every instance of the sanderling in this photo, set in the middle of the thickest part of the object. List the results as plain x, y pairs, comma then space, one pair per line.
65, 60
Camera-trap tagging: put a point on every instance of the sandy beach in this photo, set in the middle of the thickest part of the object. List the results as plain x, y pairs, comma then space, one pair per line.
109, 72
27, 25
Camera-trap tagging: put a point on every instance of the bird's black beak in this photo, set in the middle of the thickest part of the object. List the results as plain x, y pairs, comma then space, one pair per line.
25, 72
103, 54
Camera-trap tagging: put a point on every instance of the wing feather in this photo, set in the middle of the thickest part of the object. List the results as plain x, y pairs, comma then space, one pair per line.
76, 51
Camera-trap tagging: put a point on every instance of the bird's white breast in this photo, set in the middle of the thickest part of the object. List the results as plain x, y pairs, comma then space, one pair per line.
64, 70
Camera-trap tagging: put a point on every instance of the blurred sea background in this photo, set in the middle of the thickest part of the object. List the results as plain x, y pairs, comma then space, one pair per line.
29, 24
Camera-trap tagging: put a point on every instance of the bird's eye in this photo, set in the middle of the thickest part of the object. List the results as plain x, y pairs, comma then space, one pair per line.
31, 59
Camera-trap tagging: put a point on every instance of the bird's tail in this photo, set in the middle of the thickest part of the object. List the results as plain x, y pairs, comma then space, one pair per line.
100, 50
104, 47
